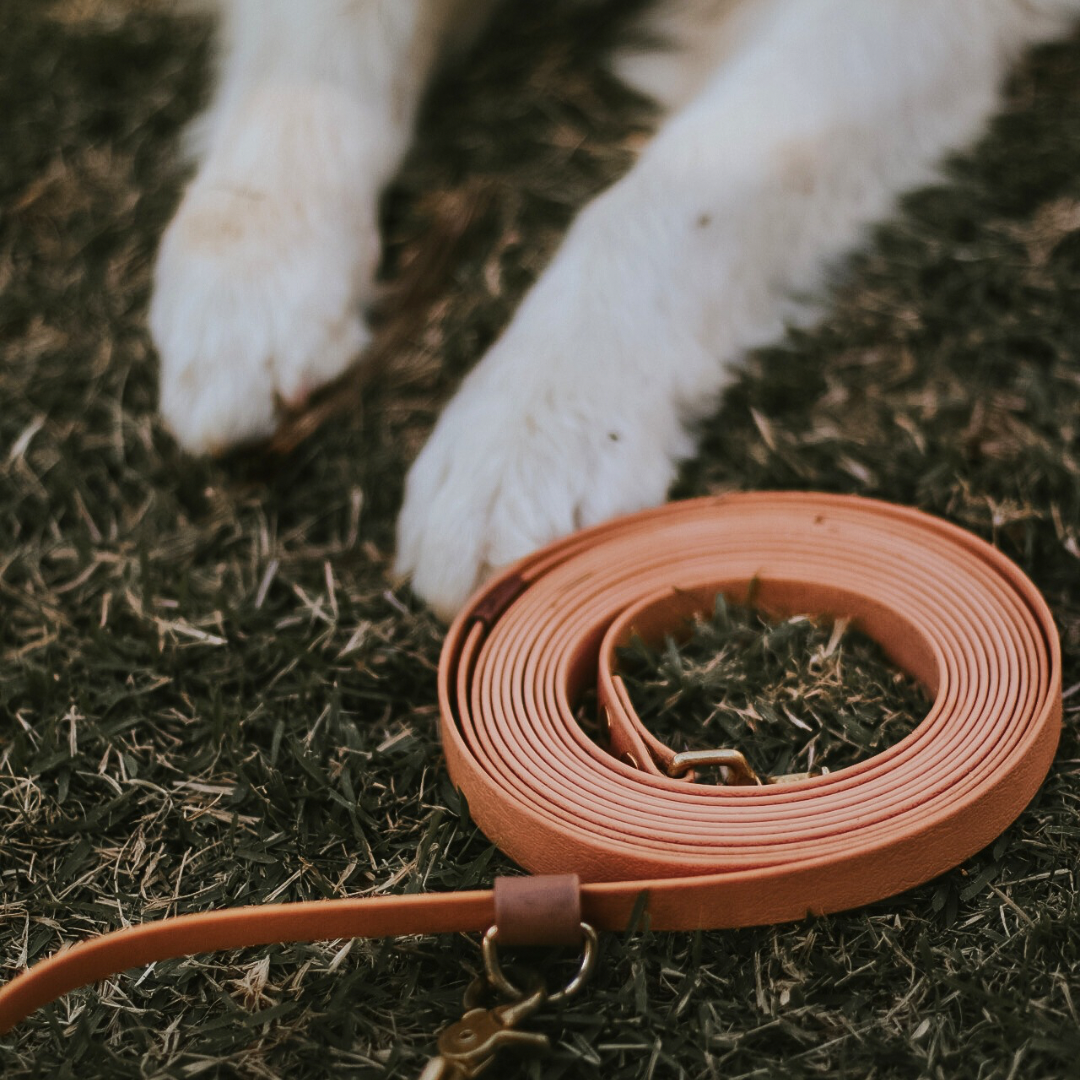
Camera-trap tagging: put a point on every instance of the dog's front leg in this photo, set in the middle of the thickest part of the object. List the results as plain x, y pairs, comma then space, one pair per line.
705, 249
263, 274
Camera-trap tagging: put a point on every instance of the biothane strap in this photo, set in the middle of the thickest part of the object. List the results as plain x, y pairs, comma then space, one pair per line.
947, 607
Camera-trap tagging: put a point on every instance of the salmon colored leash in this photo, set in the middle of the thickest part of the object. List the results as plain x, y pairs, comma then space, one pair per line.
628, 818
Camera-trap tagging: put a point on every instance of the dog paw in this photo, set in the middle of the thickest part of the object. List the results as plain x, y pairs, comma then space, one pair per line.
513, 465
257, 301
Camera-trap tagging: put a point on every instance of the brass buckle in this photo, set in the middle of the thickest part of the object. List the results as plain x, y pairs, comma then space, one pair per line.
738, 770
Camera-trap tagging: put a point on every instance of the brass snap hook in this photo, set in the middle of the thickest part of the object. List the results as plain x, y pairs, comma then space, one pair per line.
739, 771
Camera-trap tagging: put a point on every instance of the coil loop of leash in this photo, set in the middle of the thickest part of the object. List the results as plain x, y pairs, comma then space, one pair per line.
946, 607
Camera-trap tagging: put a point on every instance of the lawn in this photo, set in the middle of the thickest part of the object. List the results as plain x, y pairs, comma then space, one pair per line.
213, 693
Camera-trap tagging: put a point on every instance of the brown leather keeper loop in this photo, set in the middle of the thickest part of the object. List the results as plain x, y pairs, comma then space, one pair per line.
541, 910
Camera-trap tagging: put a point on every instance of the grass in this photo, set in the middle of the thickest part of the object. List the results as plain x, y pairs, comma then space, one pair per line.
211, 692
794, 695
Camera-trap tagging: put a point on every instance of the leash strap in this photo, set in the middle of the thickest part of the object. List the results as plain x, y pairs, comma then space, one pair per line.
946, 607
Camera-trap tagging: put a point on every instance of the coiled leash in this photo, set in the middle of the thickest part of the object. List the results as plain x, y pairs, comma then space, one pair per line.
628, 819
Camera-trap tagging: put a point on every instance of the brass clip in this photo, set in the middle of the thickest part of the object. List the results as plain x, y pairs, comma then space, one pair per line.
739, 772
468, 1048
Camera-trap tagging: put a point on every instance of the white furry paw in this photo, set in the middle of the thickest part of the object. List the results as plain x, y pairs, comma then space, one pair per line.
510, 468
257, 301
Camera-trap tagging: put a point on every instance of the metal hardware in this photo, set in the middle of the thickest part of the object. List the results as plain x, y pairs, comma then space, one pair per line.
504, 985
467, 1048
739, 772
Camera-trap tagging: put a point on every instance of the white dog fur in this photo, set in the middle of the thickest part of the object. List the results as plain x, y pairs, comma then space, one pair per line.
790, 125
